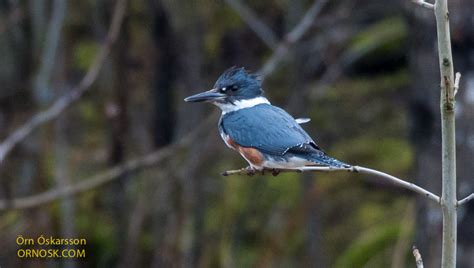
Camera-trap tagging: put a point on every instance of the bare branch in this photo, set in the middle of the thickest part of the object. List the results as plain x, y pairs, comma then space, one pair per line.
407, 185
106, 176
252, 20
457, 79
64, 102
292, 37
466, 199
418, 259
99, 179
424, 4
306, 22
86, 184
354, 169
250, 172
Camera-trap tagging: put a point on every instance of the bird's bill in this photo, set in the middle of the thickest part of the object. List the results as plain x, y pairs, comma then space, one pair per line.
210, 95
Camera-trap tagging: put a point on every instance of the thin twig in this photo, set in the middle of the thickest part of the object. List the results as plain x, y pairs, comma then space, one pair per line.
292, 37
355, 169
418, 259
424, 4
306, 22
466, 199
252, 20
457, 79
250, 172
64, 102
408, 185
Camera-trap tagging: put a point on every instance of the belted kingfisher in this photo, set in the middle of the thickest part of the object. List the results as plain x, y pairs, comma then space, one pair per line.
265, 135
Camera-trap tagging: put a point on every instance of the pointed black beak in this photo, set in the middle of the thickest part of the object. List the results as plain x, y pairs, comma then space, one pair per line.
210, 95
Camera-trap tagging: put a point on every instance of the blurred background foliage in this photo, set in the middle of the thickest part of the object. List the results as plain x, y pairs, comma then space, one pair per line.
365, 73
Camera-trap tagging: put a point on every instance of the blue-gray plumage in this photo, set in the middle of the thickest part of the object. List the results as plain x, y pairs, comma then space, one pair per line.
265, 127
265, 135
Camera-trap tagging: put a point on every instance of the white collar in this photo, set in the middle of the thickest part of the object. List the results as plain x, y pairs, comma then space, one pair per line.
241, 104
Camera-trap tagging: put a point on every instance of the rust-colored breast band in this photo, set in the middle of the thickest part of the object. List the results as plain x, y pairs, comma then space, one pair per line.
253, 155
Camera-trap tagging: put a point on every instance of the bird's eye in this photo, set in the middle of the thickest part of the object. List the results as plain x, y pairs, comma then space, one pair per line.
223, 89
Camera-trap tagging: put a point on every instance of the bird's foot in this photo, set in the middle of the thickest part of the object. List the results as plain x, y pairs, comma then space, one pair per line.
275, 172
250, 171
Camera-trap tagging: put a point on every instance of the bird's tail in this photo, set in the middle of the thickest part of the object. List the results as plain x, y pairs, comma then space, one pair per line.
320, 158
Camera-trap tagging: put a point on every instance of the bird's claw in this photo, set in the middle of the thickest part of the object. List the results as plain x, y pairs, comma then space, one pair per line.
275, 172
250, 171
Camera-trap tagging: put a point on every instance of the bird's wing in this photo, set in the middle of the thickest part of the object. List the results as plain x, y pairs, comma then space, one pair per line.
266, 128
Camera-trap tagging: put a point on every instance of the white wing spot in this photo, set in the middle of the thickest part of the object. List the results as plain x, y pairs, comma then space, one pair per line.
302, 120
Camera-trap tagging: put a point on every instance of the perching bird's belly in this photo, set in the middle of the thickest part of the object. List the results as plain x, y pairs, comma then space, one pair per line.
258, 160
286, 162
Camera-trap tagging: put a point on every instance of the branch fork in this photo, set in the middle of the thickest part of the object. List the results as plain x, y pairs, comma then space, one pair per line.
424, 4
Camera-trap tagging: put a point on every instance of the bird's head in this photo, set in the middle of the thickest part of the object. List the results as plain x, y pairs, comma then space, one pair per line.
233, 86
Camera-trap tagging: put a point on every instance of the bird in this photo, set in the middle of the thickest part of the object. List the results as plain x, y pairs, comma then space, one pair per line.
266, 136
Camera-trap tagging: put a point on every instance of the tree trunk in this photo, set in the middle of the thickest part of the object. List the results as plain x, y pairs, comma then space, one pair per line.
426, 129
462, 36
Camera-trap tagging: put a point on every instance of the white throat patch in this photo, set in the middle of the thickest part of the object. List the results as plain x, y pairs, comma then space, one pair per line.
242, 104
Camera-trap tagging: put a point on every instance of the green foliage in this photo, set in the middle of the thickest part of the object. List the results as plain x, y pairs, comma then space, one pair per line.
229, 22
285, 189
366, 106
388, 154
385, 37
361, 88
84, 54
101, 237
368, 245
